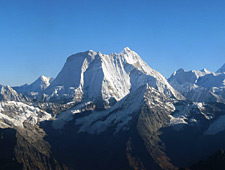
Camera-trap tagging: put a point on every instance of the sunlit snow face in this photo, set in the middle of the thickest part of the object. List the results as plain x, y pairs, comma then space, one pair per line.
17, 113
110, 77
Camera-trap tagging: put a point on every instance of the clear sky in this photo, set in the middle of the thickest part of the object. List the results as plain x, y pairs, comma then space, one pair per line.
36, 36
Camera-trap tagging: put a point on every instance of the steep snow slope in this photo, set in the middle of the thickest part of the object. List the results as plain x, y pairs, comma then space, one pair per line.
186, 80
13, 108
122, 109
130, 125
90, 75
16, 113
200, 85
36, 87
117, 116
9, 94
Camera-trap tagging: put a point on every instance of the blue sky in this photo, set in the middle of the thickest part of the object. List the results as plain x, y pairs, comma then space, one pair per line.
36, 37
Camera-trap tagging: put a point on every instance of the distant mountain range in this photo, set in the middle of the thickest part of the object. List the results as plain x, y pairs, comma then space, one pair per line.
36, 87
200, 86
113, 112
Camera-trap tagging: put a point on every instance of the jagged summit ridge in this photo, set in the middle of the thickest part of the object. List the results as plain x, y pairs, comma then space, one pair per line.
199, 85
9, 94
36, 87
41, 83
109, 77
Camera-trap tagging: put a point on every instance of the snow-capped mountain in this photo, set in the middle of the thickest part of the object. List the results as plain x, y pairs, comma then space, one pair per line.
14, 110
108, 78
184, 80
200, 85
112, 112
16, 113
118, 115
146, 118
9, 94
136, 117
36, 87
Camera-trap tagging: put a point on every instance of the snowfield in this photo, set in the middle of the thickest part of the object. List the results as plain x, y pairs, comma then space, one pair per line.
16, 113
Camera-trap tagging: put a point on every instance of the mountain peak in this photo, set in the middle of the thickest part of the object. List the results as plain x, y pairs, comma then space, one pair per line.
221, 70
205, 71
37, 86
181, 70
107, 77
44, 78
9, 94
82, 55
126, 50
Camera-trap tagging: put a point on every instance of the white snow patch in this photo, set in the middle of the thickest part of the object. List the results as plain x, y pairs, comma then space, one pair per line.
67, 115
177, 120
17, 113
